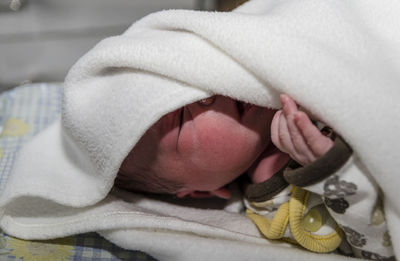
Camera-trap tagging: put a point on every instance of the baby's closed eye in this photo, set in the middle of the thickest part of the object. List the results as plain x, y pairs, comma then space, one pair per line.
207, 101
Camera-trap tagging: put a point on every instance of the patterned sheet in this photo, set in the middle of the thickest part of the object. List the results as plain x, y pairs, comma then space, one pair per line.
25, 111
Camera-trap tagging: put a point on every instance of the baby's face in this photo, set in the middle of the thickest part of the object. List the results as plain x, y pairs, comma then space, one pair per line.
204, 145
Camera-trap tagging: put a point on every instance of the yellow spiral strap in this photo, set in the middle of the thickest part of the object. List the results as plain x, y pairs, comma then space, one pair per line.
271, 229
316, 243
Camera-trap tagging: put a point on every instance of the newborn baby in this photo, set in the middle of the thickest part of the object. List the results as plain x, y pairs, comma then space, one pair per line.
198, 149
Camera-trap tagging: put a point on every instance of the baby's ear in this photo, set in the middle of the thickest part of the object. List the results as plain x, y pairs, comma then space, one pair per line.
220, 193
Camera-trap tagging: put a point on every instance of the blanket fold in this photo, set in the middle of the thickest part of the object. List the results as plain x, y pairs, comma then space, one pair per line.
338, 59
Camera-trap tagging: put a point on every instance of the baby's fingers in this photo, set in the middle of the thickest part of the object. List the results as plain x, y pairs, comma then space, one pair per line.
289, 105
275, 130
318, 143
300, 151
280, 134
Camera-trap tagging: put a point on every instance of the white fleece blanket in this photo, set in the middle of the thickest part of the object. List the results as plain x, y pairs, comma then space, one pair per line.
340, 59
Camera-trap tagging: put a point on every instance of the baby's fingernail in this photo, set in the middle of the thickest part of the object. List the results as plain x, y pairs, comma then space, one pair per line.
283, 97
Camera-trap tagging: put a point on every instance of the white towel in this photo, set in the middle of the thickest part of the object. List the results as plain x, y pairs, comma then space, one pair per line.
340, 59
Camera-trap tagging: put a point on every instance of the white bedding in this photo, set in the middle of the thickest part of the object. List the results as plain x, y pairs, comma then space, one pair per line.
338, 59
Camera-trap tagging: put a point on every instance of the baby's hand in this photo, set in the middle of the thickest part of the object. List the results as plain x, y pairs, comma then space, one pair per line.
293, 133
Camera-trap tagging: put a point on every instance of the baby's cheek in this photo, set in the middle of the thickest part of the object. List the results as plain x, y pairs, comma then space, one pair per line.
225, 148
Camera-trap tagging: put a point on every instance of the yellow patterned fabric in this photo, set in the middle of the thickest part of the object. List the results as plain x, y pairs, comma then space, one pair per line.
15, 127
59, 249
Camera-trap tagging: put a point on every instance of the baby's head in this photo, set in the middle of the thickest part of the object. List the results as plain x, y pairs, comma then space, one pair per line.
198, 149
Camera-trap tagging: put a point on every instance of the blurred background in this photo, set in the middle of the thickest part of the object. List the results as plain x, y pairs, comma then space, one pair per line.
41, 39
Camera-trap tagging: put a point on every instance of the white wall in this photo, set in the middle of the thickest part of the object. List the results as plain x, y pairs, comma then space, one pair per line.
42, 40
